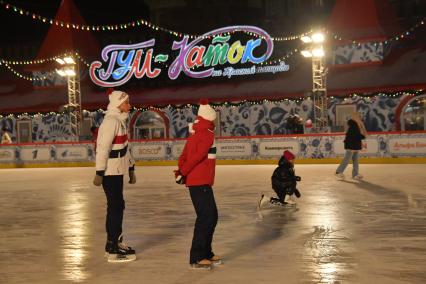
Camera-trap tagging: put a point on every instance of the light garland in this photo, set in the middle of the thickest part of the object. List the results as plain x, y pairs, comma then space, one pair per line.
219, 106
398, 37
20, 75
33, 62
152, 26
116, 27
279, 60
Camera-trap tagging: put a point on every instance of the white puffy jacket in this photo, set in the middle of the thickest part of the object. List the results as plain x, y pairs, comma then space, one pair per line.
112, 146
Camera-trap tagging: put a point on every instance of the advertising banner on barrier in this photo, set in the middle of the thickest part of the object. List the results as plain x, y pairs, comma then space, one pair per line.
370, 146
276, 148
71, 153
35, 154
233, 149
177, 149
402, 145
149, 151
7, 154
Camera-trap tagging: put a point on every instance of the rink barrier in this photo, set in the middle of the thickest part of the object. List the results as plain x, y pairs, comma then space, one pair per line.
390, 147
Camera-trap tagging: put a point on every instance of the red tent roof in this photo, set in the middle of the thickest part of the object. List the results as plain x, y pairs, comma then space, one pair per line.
59, 40
364, 20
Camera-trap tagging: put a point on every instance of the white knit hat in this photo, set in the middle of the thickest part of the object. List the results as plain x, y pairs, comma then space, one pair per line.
116, 98
206, 111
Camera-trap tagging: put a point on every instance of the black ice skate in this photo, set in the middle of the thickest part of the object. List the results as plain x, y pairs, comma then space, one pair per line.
118, 254
123, 245
122, 248
276, 202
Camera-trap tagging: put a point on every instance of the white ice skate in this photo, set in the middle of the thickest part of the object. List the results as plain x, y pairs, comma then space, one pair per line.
339, 175
263, 200
289, 200
358, 177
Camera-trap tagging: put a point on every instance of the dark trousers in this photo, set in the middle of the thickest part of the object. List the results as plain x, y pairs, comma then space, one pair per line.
282, 192
113, 188
205, 206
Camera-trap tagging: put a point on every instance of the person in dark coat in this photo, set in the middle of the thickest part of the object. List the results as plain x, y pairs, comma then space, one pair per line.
353, 144
284, 182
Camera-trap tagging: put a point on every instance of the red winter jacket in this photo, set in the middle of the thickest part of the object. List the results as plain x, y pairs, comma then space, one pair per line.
198, 159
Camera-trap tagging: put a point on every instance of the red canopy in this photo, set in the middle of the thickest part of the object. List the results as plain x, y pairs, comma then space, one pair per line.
364, 20
59, 40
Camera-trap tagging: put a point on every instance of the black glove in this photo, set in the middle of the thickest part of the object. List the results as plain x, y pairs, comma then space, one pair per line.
297, 192
179, 178
132, 177
99, 178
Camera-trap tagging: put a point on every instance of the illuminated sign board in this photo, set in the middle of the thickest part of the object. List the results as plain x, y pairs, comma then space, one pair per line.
122, 62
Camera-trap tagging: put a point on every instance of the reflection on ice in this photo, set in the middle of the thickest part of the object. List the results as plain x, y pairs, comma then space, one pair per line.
74, 221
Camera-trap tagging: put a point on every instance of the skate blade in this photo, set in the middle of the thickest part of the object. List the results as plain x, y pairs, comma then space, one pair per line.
115, 259
200, 267
217, 262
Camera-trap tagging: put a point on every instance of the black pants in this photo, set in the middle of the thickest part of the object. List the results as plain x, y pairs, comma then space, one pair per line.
113, 188
205, 206
282, 192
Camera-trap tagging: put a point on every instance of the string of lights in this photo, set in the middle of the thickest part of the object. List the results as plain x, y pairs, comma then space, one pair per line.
219, 106
141, 22
115, 27
28, 78
404, 35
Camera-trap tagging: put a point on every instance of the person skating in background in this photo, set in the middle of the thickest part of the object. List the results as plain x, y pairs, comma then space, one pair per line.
5, 138
113, 162
355, 133
284, 181
197, 171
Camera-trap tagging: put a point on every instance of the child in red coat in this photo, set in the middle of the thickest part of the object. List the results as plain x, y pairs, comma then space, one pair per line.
197, 170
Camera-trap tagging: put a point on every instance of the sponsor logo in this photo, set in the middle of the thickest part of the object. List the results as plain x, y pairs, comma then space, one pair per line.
5, 154
149, 151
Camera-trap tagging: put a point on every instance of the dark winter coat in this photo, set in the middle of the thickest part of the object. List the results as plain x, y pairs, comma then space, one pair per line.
284, 176
353, 136
198, 159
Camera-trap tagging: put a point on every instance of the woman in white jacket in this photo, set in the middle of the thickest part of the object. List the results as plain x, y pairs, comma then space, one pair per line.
113, 161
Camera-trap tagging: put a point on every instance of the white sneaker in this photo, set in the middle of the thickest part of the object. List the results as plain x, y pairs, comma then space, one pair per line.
263, 200
340, 175
289, 200
358, 177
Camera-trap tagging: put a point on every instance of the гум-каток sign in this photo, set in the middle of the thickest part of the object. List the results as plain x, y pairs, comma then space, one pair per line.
125, 61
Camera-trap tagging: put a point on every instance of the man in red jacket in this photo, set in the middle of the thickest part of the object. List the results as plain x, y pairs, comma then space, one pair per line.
197, 170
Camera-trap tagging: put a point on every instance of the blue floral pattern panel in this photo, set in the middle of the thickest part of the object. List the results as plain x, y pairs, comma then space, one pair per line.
365, 52
51, 128
248, 119
267, 118
9, 123
378, 113
179, 119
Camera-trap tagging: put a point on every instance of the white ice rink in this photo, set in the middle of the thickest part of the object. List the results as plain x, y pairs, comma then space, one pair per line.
374, 231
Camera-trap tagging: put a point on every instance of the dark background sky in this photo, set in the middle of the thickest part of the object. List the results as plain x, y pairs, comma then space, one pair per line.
22, 36
278, 17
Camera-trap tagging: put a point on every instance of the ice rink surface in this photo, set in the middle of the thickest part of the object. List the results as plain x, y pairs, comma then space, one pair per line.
374, 231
